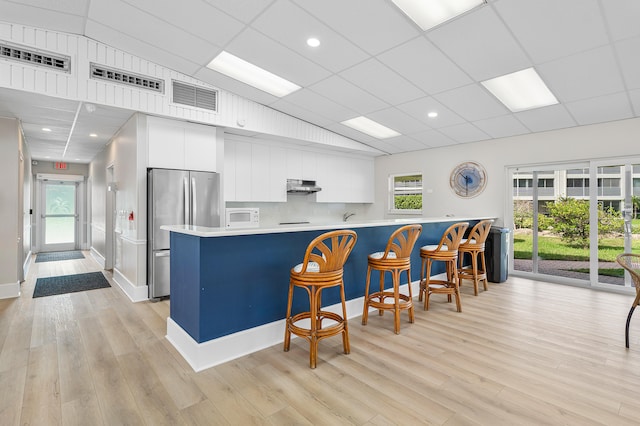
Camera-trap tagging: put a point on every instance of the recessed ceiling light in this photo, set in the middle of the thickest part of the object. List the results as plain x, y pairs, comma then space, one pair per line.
246, 72
313, 42
93, 135
521, 90
371, 128
432, 114
430, 13
46, 129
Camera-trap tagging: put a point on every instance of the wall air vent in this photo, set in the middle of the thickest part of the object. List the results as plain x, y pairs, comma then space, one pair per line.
100, 72
33, 56
199, 97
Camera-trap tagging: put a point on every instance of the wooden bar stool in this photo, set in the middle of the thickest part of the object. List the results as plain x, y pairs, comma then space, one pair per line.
631, 262
395, 258
445, 251
474, 245
321, 268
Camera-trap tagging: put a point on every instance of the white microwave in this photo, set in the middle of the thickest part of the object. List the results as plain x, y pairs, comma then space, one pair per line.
243, 217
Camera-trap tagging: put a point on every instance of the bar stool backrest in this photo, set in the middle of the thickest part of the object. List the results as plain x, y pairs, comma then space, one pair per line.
401, 242
452, 236
479, 233
329, 251
631, 262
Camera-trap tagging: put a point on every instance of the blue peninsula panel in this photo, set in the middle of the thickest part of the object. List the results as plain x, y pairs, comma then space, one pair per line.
225, 284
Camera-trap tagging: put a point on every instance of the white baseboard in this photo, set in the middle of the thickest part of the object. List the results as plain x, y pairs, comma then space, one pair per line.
201, 356
98, 257
9, 290
135, 293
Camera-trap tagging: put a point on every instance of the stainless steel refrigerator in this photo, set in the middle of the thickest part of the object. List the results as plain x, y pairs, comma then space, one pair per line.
176, 197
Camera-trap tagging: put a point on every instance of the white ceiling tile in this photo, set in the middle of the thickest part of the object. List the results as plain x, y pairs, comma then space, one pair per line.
465, 132
480, 44
375, 26
622, 17
321, 105
433, 139
584, 75
379, 80
629, 58
406, 144
547, 118
601, 109
399, 121
300, 112
292, 26
550, 29
244, 10
138, 24
420, 62
194, 16
270, 55
345, 93
634, 95
36, 14
472, 102
501, 127
139, 48
419, 109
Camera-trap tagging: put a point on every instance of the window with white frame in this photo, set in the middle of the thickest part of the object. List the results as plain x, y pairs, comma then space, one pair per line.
405, 193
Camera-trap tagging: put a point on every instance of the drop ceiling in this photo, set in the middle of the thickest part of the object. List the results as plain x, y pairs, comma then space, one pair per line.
372, 61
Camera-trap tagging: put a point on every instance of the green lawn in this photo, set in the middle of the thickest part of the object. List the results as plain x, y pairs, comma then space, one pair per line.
553, 248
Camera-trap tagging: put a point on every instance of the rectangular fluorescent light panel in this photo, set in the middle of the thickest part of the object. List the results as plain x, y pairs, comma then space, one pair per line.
521, 90
243, 71
430, 13
371, 128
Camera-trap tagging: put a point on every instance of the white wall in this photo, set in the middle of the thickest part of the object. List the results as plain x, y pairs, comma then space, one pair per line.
607, 140
11, 208
129, 174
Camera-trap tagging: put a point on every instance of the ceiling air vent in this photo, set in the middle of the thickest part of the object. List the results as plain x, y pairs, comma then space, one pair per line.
199, 97
113, 75
35, 57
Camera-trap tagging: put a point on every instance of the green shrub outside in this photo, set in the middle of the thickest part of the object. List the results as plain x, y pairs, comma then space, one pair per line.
408, 202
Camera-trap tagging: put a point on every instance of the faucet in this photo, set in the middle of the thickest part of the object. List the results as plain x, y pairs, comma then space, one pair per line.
346, 216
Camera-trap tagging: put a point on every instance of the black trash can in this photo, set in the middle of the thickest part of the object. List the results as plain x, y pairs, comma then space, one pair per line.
497, 254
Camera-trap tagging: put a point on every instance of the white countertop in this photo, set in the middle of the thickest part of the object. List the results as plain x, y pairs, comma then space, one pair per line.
204, 231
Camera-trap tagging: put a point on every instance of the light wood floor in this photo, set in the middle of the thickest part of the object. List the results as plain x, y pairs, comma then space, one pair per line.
524, 352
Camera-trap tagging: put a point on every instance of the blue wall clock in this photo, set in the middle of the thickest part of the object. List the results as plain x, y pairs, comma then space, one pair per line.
468, 179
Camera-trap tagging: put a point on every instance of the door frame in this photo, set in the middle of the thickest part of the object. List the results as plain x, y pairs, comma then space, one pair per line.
41, 178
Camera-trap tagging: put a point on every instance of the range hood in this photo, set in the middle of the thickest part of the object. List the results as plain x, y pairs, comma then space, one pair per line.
299, 186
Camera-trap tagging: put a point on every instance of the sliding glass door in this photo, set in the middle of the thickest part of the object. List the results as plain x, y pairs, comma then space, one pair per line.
551, 220
571, 221
618, 194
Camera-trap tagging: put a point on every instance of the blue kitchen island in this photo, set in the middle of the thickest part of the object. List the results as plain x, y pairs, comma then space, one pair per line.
229, 286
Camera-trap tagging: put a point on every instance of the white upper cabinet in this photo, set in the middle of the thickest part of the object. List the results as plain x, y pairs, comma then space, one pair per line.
254, 172
345, 179
259, 172
175, 144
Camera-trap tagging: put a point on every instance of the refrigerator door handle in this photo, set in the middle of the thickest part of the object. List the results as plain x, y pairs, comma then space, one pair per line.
194, 199
162, 254
185, 196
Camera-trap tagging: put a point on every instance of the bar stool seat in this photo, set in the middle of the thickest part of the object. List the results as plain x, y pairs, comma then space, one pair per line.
445, 251
321, 268
395, 259
474, 246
